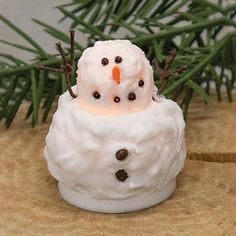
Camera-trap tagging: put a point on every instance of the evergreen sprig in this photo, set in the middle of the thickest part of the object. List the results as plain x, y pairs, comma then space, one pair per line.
195, 29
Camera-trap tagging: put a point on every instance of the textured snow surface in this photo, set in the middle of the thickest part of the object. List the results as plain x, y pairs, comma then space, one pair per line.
81, 147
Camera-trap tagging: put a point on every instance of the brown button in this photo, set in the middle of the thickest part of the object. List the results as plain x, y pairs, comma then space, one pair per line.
121, 175
121, 154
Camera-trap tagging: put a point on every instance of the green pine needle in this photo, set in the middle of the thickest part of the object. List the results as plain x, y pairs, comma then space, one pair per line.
155, 26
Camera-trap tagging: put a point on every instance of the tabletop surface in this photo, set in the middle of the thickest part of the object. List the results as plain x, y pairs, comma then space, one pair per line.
203, 204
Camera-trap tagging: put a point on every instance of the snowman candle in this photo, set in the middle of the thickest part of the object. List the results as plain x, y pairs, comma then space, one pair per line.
117, 147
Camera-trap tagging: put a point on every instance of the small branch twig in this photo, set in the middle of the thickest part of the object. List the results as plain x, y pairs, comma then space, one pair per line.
177, 71
168, 61
163, 68
42, 67
61, 51
67, 66
156, 64
72, 47
165, 75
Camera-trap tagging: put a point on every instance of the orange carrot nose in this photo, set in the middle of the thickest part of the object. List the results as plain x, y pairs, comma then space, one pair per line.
116, 74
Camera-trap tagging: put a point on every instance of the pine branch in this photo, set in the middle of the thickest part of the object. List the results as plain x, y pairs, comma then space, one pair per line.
211, 56
153, 26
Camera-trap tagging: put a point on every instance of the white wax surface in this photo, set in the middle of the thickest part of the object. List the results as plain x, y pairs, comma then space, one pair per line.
81, 147
94, 76
87, 132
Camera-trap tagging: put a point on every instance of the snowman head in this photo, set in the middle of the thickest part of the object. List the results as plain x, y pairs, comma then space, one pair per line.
114, 77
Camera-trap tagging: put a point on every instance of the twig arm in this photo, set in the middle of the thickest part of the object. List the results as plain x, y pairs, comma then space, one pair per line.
72, 47
67, 66
163, 69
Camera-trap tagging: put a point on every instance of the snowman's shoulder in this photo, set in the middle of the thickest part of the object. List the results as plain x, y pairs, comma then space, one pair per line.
66, 98
166, 107
64, 110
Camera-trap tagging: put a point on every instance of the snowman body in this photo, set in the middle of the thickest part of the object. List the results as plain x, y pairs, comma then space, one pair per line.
115, 155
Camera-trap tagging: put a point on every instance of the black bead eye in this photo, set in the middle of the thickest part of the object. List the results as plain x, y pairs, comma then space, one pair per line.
131, 96
96, 95
118, 59
104, 61
116, 99
140, 83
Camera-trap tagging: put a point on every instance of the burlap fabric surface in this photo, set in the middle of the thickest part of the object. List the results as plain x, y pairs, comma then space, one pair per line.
203, 204
211, 131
